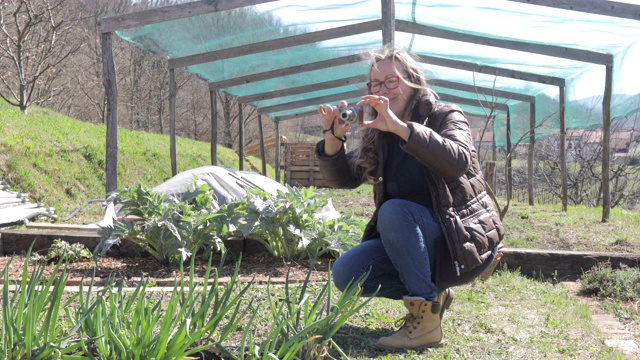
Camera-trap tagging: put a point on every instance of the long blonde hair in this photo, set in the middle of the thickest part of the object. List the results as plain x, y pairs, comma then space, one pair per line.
371, 139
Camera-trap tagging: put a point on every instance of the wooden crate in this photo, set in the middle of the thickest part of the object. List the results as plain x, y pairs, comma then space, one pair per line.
301, 166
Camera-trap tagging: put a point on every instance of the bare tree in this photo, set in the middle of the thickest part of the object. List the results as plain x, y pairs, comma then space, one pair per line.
584, 173
34, 42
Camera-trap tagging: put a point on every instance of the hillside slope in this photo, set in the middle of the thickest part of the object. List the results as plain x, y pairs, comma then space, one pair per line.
60, 161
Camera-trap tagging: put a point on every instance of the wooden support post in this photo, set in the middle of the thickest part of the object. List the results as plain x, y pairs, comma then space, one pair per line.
532, 143
110, 84
388, 23
240, 137
606, 144
172, 126
563, 150
509, 174
278, 152
214, 127
263, 155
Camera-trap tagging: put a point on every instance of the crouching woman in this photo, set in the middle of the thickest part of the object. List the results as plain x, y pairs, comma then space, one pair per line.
434, 224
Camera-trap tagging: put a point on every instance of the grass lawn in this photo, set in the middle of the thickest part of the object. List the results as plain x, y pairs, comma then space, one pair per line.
506, 317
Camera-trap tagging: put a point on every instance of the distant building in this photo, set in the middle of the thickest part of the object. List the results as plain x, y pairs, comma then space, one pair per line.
583, 141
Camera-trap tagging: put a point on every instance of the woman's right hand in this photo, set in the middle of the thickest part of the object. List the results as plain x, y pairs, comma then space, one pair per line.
329, 118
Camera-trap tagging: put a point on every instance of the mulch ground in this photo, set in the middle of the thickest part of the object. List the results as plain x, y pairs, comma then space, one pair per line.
260, 267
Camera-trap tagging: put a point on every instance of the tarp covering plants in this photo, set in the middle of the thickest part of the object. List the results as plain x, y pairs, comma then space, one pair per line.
227, 184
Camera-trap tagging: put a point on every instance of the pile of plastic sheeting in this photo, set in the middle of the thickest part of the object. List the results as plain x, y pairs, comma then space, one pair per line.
227, 184
16, 209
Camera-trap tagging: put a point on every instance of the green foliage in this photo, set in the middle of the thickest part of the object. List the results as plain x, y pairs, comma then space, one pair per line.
286, 223
169, 229
31, 314
303, 324
63, 251
131, 325
620, 284
112, 322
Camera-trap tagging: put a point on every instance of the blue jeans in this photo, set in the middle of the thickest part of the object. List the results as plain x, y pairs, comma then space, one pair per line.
401, 261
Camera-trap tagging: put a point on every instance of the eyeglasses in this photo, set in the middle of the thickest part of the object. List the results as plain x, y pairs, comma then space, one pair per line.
390, 83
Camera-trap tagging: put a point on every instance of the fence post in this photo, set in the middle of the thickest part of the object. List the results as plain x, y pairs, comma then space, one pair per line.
490, 174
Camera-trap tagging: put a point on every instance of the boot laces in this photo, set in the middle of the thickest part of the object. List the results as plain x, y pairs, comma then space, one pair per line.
405, 322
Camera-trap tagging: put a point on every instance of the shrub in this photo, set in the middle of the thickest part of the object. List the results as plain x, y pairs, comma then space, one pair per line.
61, 250
621, 284
172, 229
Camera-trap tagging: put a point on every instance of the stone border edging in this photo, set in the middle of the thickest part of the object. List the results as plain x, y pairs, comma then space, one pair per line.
561, 264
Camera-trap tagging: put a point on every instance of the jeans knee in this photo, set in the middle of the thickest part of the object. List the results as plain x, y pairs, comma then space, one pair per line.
390, 210
341, 275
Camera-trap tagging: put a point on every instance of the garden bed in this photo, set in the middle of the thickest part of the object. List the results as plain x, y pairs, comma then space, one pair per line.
259, 267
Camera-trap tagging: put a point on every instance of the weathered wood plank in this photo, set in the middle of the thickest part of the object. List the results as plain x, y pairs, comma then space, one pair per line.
110, 84
270, 45
310, 102
64, 227
492, 70
251, 78
174, 12
599, 7
304, 89
19, 241
589, 56
475, 89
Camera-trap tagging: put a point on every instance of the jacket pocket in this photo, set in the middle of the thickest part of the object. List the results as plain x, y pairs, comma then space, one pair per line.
478, 235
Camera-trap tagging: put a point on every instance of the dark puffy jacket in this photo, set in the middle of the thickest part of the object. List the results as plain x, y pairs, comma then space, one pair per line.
442, 142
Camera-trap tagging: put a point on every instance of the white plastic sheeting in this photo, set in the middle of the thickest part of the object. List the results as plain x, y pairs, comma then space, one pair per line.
16, 209
227, 184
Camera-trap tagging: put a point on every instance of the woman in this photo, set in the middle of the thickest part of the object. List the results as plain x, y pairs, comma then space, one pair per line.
434, 225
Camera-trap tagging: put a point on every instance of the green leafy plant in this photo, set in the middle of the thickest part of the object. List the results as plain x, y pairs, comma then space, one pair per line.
169, 229
61, 250
31, 315
132, 326
303, 322
287, 223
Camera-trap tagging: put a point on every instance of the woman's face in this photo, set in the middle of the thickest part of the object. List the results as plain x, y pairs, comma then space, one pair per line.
398, 97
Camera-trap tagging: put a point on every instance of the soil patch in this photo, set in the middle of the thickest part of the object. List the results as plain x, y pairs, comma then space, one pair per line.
260, 267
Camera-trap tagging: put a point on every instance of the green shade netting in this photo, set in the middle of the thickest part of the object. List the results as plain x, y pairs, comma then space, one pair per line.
499, 19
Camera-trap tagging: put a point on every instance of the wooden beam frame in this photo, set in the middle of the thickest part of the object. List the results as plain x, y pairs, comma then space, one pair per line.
469, 66
173, 12
593, 57
598, 7
310, 102
492, 70
482, 90
304, 89
473, 102
388, 14
388, 25
270, 45
251, 78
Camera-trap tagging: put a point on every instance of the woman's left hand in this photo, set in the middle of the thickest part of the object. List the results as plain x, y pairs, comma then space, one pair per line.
386, 119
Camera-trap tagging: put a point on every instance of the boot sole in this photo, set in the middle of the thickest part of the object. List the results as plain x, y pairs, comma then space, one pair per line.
426, 346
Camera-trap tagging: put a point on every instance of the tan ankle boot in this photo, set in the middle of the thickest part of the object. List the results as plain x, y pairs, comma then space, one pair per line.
445, 298
421, 328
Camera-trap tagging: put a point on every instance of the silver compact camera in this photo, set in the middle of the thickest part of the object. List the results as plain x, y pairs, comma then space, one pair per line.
351, 114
